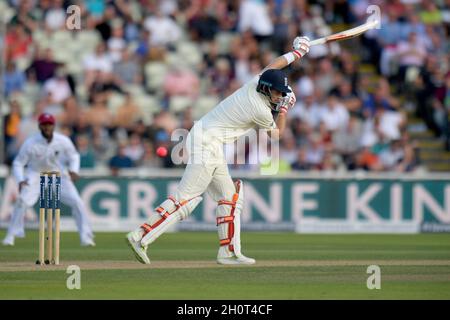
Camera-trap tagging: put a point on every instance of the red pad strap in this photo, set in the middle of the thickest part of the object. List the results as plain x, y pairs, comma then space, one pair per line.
225, 242
225, 202
147, 228
178, 205
227, 219
164, 214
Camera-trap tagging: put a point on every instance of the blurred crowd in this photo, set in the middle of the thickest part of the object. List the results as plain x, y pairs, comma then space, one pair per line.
120, 76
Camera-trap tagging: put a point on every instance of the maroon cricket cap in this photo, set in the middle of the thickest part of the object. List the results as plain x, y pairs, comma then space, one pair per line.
46, 118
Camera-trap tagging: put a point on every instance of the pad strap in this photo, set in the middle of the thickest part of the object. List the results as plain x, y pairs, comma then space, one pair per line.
164, 215
228, 219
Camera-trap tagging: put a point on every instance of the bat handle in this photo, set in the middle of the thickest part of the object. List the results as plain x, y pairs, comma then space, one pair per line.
317, 41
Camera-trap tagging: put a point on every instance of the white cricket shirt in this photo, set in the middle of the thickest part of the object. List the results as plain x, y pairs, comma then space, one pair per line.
37, 155
242, 111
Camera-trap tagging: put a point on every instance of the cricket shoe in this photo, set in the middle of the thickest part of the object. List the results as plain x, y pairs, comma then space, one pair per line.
235, 259
139, 251
88, 243
8, 241
20, 234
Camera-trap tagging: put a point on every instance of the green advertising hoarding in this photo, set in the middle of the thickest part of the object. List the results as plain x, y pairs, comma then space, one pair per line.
270, 204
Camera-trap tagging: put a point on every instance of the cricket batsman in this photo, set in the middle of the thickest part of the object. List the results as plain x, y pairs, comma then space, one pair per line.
47, 151
249, 107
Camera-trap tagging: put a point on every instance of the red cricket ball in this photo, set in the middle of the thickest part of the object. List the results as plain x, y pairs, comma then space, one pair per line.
161, 152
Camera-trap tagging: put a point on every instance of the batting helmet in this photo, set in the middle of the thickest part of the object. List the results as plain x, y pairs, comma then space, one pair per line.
273, 79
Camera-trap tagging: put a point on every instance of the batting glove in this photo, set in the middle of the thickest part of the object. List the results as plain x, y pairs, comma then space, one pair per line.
288, 103
301, 46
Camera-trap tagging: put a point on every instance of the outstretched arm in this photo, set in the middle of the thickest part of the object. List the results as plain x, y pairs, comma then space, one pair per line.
300, 47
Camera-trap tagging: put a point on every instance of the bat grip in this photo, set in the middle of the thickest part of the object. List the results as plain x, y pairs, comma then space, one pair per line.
317, 41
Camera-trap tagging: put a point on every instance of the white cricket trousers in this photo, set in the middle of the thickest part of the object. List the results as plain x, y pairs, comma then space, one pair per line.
29, 195
207, 170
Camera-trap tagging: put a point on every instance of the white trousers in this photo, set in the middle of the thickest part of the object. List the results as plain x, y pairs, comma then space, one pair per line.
207, 170
29, 195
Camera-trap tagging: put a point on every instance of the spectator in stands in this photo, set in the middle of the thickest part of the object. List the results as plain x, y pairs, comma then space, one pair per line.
11, 123
87, 156
58, 87
324, 79
143, 46
103, 23
202, 25
391, 123
25, 16
43, 65
301, 162
254, 16
18, 43
95, 8
97, 61
348, 98
181, 81
242, 66
315, 151
127, 114
410, 53
81, 125
221, 77
71, 111
128, 70
382, 97
55, 16
116, 43
120, 160
104, 83
13, 79
98, 113
390, 158
164, 31
430, 14
366, 160
334, 115
134, 148
149, 159
328, 163
288, 150
347, 139
102, 144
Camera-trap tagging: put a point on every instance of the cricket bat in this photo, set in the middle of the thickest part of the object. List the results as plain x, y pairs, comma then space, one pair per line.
346, 34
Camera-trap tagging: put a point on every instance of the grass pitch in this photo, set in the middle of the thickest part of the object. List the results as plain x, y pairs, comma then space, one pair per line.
289, 266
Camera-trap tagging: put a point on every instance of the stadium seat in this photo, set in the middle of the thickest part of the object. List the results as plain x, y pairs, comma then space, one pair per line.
32, 90
73, 67
190, 52
149, 105
26, 103
179, 103
61, 37
174, 59
134, 89
7, 12
41, 38
223, 40
62, 53
23, 62
88, 39
82, 93
115, 101
154, 74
